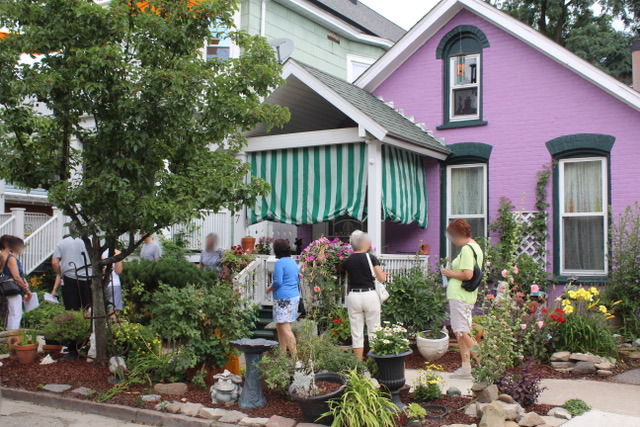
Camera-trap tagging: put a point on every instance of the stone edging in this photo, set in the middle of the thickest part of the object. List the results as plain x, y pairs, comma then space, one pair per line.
121, 412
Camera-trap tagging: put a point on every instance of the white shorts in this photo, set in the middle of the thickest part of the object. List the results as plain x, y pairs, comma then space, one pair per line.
460, 316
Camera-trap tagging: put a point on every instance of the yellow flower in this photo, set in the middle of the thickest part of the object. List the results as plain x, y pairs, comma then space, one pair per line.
568, 309
602, 309
617, 302
573, 294
566, 302
594, 291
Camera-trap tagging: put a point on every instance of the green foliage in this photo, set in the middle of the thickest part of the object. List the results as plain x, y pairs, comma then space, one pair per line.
38, 318
413, 410
427, 385
586, 334
204, 320
417, 300
524, 386
624, 284
130, 87
28, 337
340, 326
389, 339
234, 260
362, 405
67, 326
277, 370
510, 234
576, 407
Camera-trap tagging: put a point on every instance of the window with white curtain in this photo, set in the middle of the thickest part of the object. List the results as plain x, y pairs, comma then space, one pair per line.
467, 198
583, 215
356, 65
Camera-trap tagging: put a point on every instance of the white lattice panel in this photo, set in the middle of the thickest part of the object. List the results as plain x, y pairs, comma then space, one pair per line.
528, 244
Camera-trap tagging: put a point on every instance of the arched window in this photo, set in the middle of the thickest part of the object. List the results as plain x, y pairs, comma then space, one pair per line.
461, 52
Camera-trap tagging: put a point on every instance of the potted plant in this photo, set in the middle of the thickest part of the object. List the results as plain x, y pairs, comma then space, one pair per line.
68, 327
248, 243
263, 247
389, 348
27, 348
313, 392
432, 344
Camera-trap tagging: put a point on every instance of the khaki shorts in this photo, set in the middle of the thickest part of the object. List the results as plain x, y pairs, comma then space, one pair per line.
460, 316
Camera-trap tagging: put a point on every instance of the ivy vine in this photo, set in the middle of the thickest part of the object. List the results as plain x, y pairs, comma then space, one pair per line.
538, 226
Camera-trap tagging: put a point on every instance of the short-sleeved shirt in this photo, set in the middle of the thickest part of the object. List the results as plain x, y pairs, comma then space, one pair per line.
115, 277
464, 261
151, 251
359, 271
211, 260
286, 279
70, 251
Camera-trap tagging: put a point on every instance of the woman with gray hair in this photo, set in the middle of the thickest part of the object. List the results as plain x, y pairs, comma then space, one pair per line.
211, 255
363, 303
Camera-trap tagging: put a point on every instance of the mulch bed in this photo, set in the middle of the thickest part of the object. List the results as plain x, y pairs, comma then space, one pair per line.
449, 362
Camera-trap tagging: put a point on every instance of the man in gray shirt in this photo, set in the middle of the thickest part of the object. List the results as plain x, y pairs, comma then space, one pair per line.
151, 250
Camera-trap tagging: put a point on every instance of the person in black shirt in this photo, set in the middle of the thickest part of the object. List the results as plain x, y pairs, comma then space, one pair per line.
363, 303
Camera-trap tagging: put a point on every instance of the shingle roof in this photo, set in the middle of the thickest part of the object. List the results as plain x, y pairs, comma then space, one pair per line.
396, 124
363, 17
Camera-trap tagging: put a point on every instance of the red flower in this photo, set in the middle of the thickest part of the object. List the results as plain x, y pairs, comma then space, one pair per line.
337, 320
519, 294
335, 331
544, 310
557, 318
559, 310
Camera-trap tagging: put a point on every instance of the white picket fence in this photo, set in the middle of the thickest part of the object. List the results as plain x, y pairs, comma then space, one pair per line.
40, 244
194, 232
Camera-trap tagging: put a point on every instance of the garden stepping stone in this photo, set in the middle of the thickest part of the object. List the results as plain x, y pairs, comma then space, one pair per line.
151, 397
82, 391
583, 368
278, 421
560, 356
212, 413
254, 422
232, 417
530, 419
191, 409
629, 377
56, 388
171, 388
559, 412
553, 421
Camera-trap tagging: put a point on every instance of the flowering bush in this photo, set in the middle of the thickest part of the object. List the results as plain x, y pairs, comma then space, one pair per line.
131, 339
340, 327
389, 339
235, 260
67, 326
263, 247
427, 385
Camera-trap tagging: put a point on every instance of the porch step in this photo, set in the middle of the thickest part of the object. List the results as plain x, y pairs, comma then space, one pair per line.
269, 335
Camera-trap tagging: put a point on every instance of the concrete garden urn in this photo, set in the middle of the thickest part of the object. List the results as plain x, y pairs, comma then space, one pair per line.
391, 373
432, 345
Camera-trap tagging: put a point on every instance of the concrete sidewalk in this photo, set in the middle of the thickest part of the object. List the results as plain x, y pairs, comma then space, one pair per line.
595, 418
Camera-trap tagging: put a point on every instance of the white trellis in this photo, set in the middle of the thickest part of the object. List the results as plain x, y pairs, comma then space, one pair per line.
528, 244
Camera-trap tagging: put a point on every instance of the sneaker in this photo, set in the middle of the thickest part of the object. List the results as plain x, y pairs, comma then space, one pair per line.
460, 374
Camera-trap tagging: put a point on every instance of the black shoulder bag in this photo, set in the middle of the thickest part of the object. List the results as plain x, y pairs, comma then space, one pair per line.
473, 283
8, 286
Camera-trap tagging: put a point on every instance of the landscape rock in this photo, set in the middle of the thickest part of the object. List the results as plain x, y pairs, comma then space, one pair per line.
607, 366
254, 422
191, 409
488, 394
512, 411
82, 391
232, 417
637, 342
559, 412
493, 415
510, 424
317, 425
472, 410
553, 421
479, 386
506, 398
212, 413
56, 388
173, 407
583, 368
585, 357
454, 392
450, 425
531, 419
635, 356
560, 356
278, 421
171, 388
151, 397
562, 365
604, 373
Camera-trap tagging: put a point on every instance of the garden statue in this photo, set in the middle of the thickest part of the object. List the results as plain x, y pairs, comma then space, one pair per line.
226, 389
118, 368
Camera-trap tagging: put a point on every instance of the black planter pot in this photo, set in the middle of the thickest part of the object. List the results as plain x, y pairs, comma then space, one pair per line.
314, 407
391, 374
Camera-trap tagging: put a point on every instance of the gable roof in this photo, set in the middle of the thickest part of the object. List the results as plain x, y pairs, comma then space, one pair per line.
362, 16
433, 21
371, 113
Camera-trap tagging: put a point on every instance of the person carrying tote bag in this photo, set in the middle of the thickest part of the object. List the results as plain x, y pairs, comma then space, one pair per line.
363, 301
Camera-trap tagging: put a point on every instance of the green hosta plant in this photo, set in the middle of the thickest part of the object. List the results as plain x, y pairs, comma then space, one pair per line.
389, 339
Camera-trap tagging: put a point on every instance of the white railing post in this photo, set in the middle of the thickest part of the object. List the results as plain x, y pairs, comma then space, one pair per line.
18, 224
2, 196
59, 229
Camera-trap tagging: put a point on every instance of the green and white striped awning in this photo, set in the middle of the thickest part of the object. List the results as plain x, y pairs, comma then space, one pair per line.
311, 185
404, 187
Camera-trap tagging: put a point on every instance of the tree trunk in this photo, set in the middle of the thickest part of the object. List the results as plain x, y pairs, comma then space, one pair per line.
100, 321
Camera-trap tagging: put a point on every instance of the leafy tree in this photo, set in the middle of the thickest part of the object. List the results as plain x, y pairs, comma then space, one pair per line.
117, 112
574, 25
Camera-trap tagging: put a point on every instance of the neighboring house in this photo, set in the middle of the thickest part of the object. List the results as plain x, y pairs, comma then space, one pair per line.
502, 101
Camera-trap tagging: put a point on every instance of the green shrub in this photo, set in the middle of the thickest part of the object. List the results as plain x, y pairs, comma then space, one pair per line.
416, 299
576, 407
586, 333
277, 370
38, 318
67, 326
427, 385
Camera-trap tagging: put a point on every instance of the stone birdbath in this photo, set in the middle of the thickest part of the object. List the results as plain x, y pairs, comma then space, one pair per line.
251, 395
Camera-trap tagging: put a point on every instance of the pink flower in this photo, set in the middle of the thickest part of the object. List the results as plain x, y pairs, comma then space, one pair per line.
490, 296
515, 270
511, 279
316, 289
488, 263
523, 326
521, 357
535, 288
540, 324
504, 273
519, 294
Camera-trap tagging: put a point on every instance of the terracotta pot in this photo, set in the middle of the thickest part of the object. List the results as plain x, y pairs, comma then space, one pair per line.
53, 350
13, 341
27, 354
248, 243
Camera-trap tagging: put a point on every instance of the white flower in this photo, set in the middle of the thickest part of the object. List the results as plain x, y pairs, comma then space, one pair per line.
386, 342
388, 334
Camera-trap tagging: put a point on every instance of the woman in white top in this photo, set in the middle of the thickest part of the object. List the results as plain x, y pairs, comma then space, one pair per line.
114, 291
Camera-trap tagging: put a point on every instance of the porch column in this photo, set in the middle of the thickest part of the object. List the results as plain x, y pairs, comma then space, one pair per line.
18, 225
238, 228
374, 193
1, 196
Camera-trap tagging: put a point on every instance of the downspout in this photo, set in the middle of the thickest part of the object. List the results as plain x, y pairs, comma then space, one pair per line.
263, 18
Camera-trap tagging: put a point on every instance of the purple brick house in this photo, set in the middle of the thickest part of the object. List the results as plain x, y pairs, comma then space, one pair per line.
466, 108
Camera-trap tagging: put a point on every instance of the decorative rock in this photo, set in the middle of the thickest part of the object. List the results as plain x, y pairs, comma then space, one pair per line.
605, 366
151, 397
562, 365
82, 391
472, 411
173, 407
278, 421
512, 411
232, 417
604, 373
583, 368
488, 394
559, 412
553, 421
479, 386
162, 406
315, 425
171, 388
560, 356
637, 342
510, 424
506, 398
254, 422
191, 409
585, 357
450, 425
56, 388
531, 419
454, 392
212, 413
493, 415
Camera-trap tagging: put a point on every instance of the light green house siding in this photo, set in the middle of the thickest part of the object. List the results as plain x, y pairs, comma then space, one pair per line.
309, 38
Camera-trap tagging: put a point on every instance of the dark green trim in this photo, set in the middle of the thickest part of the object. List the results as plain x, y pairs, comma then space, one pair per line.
464, 124
478, 152
443, 209
580, 144
584, 280
458, 32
